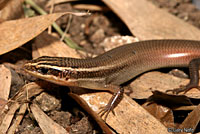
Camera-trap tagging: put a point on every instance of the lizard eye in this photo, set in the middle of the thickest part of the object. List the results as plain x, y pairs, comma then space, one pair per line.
43, 70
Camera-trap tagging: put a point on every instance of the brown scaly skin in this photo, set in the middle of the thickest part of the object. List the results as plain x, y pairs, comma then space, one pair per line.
115, 67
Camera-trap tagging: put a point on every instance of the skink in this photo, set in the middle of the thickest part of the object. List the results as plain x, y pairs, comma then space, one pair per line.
117, 66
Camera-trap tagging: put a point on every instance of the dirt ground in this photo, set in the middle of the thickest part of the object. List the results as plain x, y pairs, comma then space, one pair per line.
89, 32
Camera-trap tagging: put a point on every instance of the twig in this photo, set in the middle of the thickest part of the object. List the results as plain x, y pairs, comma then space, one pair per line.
68, 41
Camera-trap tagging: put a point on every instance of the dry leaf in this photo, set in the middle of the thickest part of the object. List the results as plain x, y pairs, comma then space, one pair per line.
190, 123
23, 95
48, 45
185, 108
2, 104
47, 125
18, 119
84, 105
17, 32
162, 113
156, 110
6, 120
50, 2
143, 86
12, 10
129, 116
31, 90
3, 3
146, 21
170, 100
5, 80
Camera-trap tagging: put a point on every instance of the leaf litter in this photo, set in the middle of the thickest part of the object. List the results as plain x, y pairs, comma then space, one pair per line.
127, 111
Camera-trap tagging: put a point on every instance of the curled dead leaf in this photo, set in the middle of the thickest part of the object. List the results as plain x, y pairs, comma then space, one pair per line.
15, 33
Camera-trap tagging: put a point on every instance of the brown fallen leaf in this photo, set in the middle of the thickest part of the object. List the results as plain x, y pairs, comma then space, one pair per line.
146, 21
47, 125
23, 95
169, 100
5, 80
185, 108
164, 114
19, 118
129, 116
5, 121
17, 32
48, 45
84, 105
3, 3
2, 104
143, 86
12, 9
190, 123
50, 2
